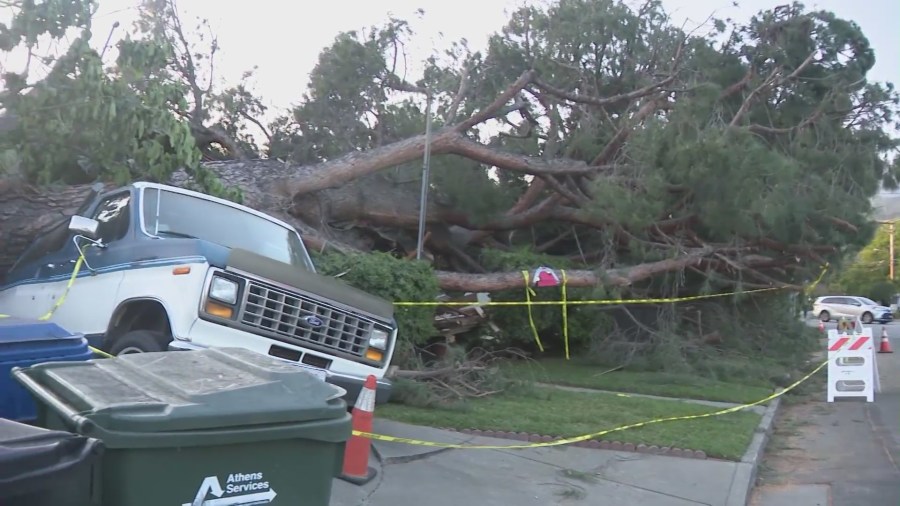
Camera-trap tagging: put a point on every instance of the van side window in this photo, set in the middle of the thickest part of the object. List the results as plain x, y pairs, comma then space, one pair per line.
114, 216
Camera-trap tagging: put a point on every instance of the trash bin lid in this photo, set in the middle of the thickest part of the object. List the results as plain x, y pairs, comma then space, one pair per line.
187, 390
22, 339
21, 329
31, 458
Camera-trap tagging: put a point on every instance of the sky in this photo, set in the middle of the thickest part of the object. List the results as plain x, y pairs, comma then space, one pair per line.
283, 39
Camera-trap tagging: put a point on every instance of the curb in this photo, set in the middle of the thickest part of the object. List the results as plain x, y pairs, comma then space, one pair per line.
405, 459
703, 402
745, 473
591, 443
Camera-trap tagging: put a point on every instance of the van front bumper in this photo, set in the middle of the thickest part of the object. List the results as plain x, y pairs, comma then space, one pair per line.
351, 384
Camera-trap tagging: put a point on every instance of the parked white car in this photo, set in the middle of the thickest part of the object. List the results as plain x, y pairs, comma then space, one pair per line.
837, 306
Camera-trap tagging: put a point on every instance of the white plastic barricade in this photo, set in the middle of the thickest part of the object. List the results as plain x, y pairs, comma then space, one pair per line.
852, 369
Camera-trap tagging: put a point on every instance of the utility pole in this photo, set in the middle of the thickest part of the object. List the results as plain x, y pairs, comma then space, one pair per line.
892, 251
890, 225
426, 162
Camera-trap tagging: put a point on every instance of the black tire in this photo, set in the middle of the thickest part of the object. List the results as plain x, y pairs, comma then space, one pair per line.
825, 316
140, 341
867, 318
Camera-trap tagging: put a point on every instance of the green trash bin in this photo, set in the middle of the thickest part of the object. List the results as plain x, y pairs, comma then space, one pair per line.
208, 427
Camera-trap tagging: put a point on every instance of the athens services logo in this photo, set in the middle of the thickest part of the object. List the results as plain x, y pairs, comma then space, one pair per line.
240, 489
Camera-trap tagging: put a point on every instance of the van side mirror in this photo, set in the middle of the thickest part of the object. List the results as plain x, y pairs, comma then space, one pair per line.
84, 226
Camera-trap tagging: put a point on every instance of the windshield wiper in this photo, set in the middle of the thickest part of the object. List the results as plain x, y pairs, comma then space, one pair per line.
175, 234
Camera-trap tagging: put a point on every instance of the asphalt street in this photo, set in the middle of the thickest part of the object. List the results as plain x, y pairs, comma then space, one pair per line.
844, 453
882, 486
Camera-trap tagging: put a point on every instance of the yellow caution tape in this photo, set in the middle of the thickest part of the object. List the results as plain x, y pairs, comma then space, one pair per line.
815, 283
585, 437
587, 302
565, 315
528, 302
101, 352
62, 299
528, 293
564, 302
665, 300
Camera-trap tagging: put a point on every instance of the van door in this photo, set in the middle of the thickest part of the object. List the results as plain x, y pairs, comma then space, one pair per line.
93, 297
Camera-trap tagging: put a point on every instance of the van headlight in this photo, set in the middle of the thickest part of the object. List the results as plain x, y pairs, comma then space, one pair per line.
223, 290
378, 339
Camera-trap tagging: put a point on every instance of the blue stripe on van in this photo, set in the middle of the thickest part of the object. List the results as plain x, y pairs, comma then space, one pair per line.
85, 272
126, 254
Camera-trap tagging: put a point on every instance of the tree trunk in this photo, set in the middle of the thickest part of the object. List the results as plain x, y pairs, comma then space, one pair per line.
26, 211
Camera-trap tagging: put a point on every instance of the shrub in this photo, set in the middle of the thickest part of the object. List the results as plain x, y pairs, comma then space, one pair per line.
394, 279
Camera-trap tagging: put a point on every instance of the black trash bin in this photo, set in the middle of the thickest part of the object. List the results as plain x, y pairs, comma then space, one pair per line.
40, 467
211, 426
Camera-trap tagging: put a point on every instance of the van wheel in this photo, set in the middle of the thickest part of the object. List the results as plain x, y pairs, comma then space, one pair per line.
140, 341
867, 318
824, 316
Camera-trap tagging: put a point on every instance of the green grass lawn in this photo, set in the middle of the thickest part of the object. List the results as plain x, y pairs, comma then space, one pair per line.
575, 374
552, 412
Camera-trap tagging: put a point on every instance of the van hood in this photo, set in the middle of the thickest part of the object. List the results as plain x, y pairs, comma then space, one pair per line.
307, 281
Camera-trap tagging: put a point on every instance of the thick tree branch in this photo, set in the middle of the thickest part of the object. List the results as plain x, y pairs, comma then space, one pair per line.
615, 144
844, 224
446, 141
751, 98
463, 146
184, 62
602, 101
453, 108
738, 86
624, 277
395, 83
622, 97
258, 123
214, 134
761, 129
491, 111
770, 81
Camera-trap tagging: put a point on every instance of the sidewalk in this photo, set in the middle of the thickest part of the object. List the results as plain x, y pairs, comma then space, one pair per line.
413, 475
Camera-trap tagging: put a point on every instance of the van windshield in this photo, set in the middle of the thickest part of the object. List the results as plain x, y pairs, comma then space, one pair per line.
171, 214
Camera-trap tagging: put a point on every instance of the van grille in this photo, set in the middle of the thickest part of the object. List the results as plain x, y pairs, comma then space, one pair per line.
288, 315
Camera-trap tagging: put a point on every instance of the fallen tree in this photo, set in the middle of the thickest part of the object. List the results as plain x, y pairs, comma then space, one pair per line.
32, 210
635, 159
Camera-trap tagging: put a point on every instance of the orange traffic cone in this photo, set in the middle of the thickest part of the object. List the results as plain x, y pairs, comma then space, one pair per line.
356, 452
885, 342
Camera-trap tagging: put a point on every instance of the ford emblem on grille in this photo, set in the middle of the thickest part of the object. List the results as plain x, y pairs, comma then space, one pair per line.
313, 321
